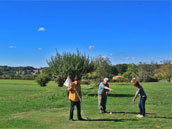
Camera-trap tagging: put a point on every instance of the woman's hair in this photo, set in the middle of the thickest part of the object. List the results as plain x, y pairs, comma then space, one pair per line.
136, 83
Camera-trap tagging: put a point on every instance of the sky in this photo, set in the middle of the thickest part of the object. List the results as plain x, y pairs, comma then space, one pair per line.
126, 31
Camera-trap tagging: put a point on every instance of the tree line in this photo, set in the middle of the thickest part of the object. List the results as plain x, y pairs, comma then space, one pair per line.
95, 69
88, 68
25, 73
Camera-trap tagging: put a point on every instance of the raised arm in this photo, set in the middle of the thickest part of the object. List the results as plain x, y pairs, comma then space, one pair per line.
108, 88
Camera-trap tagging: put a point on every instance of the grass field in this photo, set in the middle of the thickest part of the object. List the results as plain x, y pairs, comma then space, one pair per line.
24, 104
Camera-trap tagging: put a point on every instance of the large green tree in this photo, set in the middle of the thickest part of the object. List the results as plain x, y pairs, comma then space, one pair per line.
131, 72
165, 71
103, 67
146, 71
72, 64
122, 68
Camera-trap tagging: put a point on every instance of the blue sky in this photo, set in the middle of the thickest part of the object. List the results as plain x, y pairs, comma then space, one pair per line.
123, 31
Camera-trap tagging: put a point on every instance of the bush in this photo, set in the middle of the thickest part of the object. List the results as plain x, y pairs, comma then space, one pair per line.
87, 82
42, 79
27, 77
149, 80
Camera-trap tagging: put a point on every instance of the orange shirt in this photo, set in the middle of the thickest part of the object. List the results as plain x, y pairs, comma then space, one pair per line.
72, 93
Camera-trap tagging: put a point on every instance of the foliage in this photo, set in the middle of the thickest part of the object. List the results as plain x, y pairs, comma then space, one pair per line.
103, 68
122, 68
42, 79
114, 70
47, 71
1, 73
87, 82
164, 71
70, 64
13, 70
131, 72
146, 72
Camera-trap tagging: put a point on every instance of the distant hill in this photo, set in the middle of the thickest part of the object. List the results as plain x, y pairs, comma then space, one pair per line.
7, 70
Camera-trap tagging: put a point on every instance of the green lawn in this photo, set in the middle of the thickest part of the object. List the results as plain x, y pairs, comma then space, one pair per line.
24, 104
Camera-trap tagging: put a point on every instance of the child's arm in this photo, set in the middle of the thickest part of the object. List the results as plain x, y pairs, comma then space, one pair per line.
136, 95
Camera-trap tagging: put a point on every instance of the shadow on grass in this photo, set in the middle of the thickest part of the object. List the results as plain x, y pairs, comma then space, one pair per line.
114, 95
115, 120
161, 117
122, 84
129, 112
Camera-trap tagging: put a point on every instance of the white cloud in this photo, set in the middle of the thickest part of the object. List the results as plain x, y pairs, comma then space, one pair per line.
110, 54
130, 58
39, 49
41, 29
133, 58
91, 47
127, 58
12, 46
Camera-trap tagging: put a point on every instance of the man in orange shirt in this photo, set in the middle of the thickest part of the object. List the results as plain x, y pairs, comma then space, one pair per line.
75, 98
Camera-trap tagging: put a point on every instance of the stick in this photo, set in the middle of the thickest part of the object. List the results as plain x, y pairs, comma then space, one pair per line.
128, 107
86, 113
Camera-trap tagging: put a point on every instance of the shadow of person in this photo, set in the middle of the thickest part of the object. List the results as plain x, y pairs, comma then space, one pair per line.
115, 95
115, 120
164, 117
130, 113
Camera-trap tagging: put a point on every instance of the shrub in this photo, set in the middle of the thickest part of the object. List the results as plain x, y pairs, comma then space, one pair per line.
87, 82
148, 80
42, 79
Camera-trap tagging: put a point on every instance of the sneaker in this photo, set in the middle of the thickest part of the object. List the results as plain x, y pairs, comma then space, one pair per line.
71, 119
140, 116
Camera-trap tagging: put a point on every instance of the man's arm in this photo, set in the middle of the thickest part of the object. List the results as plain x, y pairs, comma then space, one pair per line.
107, 88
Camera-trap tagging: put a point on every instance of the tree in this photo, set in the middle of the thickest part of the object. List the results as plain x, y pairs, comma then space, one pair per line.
70, 64
114, 70
42, 79
1, 73
146, 72
131, 72
122, 68
165, 71
103, 69
47, 71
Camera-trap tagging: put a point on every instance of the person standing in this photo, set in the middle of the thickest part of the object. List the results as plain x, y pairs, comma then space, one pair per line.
143, 98
75, 98
102, 95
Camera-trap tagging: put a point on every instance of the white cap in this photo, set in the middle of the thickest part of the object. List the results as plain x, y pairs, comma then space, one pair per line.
106, 79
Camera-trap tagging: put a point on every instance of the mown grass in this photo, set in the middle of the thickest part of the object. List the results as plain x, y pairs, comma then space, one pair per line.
24, 104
